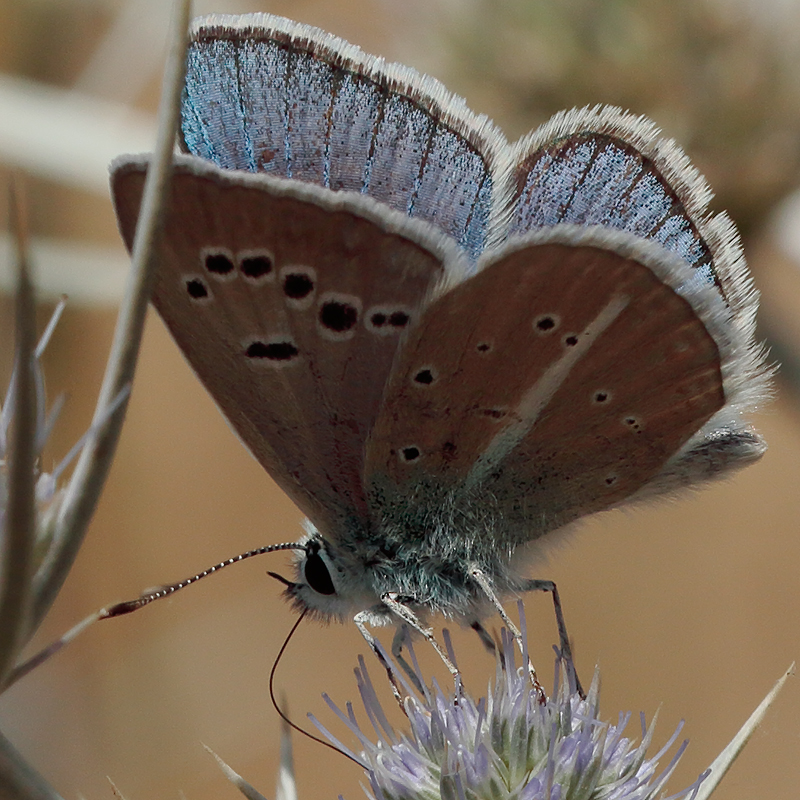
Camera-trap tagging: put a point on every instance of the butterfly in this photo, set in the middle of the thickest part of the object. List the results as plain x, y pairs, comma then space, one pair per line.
445, 348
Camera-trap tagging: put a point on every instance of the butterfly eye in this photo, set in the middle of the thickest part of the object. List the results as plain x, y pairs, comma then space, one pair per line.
317, 575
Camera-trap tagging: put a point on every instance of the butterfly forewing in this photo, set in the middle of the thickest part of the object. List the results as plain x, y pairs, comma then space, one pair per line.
558, 379
290, 306
296, 102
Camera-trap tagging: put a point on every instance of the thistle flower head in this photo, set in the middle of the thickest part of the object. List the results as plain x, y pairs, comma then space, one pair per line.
513, 743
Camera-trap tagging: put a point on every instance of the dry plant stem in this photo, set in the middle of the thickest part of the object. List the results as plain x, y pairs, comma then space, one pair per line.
722, 763
21, 670
236, 779
90, 473
286, 786
20, 520
18, 780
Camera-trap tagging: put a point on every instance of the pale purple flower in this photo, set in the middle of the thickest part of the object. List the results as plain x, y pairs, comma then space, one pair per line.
513, 743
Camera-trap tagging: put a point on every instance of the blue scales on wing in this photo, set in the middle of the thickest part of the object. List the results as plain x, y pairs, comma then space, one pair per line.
603, 352
295, 102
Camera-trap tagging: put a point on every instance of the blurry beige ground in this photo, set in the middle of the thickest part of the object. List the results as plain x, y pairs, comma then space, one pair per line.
692, 606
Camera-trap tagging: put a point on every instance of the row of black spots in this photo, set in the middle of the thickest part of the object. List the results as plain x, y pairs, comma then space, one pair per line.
274, 352
543, 325
633, 423
299, 285
387, 320
424, 377
412, 453
219, 264
428, 376
409, 454
602, 397
255, 266
197, 289
546, 324
338, 316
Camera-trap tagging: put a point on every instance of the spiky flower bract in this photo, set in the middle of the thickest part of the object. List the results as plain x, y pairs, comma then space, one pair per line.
512, 744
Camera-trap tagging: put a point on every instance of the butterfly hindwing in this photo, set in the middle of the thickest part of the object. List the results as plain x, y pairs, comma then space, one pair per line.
519, 401
604, 167
289, 302
518, 389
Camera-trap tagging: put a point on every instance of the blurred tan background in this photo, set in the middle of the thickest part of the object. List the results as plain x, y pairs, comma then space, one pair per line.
690, 606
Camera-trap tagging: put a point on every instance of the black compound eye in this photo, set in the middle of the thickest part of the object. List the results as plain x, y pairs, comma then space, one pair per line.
317, 575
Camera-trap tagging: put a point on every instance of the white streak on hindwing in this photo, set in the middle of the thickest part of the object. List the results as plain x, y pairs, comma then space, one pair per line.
536, 399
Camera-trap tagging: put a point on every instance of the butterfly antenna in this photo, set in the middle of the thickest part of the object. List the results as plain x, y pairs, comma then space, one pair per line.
118, 609
272, 697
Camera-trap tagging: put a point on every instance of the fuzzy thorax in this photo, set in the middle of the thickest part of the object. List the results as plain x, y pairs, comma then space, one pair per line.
425, 572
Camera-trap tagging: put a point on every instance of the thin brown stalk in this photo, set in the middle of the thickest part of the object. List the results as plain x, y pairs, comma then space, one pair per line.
90, 473
20, 527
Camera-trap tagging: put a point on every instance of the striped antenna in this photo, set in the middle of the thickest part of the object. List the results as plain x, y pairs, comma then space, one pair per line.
128, 606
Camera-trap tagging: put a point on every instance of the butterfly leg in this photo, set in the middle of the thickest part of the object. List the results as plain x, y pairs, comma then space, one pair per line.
360, 622
393, 601
401, 635
563, 644
484, 636
482, 581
